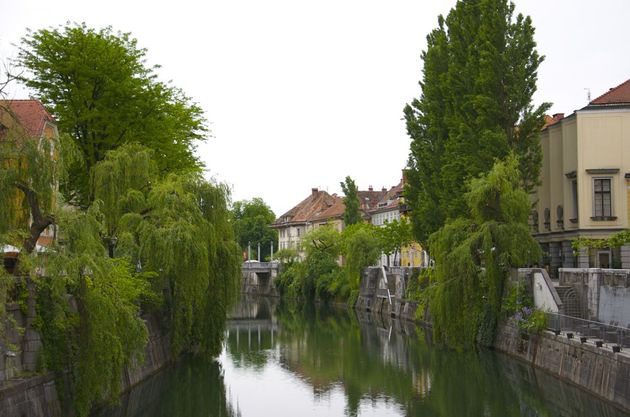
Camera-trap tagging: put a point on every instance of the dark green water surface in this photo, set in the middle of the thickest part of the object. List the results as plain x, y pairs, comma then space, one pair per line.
299, 361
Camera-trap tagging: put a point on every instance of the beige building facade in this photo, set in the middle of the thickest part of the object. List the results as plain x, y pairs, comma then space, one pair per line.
585, 182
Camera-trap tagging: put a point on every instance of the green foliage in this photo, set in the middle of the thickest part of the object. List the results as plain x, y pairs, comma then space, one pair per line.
473, 257
286, 257
89, 313
186, 237
479, 76
165, 245
121, 181
319, 275
26, 165
352, 211
519, 305
251, 221
614, 241
98, 86
517, 297
395, 235
362, 247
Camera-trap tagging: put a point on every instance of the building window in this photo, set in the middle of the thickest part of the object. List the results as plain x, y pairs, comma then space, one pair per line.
574, 192
547, 215
602, 199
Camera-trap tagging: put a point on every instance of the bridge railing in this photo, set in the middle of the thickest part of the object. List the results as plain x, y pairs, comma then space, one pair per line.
260, 265
584, 330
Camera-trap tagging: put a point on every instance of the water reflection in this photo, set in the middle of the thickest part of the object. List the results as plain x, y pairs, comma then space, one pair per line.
283, 360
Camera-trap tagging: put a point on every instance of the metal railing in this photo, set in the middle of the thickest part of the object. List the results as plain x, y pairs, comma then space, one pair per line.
587, 330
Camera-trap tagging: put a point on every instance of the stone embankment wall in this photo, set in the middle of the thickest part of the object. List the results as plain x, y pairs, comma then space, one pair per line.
36, 396
383, 290
596, 369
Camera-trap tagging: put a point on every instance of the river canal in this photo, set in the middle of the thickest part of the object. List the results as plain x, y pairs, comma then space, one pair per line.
287, 361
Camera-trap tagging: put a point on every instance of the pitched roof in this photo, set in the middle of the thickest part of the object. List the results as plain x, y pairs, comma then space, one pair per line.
617, 95
30, 114
391, 199
316, 203
369, 199
321, 206
335, 211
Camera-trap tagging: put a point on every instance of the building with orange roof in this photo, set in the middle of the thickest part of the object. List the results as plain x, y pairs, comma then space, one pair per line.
318, 209
585, 182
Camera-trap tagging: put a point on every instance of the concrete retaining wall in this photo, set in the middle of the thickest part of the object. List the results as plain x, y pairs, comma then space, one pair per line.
604, 292
598, 370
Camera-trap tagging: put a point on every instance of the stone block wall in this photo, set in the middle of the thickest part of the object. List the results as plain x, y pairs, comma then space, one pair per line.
37, 397
31, 397
598, 370
10, 356
386, 296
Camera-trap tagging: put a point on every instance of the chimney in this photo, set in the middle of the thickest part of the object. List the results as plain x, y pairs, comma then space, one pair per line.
314, 191
370, 188
384, 189
558, 116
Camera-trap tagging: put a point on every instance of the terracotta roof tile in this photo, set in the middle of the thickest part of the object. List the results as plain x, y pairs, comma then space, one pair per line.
333, 212
31, 115
390, 199
314, 204
617, 95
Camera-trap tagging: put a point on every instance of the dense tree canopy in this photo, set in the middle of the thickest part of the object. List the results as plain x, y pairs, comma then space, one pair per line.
352, 212
479, 76
474, 254
147, 243
97, 85
251, 220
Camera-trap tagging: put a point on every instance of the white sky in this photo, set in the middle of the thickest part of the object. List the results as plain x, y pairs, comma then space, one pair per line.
300, 94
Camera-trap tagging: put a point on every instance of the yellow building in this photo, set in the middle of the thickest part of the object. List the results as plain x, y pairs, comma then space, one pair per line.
585, 182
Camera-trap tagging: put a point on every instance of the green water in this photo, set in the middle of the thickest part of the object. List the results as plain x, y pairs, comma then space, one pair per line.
300, 361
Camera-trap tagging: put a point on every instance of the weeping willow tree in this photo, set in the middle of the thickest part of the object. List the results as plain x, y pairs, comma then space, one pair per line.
89, 313
147, 244
177, 227
473, 256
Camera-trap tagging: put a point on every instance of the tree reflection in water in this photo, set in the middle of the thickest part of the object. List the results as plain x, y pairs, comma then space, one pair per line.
368, 364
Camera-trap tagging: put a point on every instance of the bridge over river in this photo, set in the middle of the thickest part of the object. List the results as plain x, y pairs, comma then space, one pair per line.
258, 278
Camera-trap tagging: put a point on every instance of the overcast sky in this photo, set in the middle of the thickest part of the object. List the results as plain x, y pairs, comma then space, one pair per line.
300, 94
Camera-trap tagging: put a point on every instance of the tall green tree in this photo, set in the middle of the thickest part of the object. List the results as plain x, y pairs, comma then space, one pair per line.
474, 254
251, 220
147, 243
479, 76
99, 88
395, 235
352, 212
